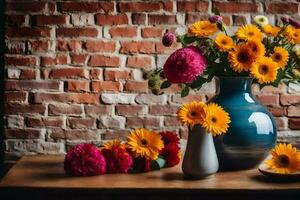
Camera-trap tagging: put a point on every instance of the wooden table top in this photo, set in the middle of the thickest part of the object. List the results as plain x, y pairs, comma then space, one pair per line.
46, 171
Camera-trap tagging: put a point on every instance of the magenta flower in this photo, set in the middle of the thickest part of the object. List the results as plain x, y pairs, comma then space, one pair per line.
215, 19
184, 65
84, 160
168, 39
294, 23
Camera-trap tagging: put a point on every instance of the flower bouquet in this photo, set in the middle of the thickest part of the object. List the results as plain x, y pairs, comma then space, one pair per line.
143, 151
258, 53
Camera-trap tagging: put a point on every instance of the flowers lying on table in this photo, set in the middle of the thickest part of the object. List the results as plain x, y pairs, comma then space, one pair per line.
285, 159
143, 151
210, 116
268, 53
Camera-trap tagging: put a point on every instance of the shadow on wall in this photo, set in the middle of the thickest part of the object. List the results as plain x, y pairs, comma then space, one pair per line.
2, 49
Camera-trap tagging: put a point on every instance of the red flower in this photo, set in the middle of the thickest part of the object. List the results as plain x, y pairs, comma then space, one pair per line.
84, 160
117, 160
172, 154
169, 137
141, 165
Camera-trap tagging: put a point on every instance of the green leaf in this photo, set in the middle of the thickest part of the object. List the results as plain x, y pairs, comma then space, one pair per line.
185, 91
185, 39
165, 84
159, 163
198, 82
215, 11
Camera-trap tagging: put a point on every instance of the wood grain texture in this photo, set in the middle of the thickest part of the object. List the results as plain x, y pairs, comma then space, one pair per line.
45, 174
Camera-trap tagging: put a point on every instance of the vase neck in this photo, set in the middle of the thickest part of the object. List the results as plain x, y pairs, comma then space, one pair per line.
233, 85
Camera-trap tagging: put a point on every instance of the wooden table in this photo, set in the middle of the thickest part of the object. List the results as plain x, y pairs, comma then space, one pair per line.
42, 177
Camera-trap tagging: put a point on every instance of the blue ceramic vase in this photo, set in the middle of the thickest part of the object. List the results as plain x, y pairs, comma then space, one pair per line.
252, 131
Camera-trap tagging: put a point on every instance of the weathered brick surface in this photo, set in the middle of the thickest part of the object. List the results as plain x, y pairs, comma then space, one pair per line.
74, 69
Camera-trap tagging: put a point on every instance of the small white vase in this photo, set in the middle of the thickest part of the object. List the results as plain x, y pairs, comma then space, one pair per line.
200, 158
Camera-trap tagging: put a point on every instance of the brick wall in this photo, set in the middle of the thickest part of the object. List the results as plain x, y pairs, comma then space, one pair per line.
74, 69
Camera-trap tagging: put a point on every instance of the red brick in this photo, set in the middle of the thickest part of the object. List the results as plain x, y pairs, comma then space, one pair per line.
281, 124
139, 62
115, 134
294, 123
191, 97
193, 17
27, 74
78, 59
20, 61
130, 110
138, 122
57, 60
278, 111
268, 99
91, 110
192, 6
15, 96
25, 7
163, 110
239, 20
105, 86
78, 123
294, 111
112, 75
41, 20
138, 18
100, 46
16, 47
31, 85
161, 49
123, 32
104, 61
167, 5
171, 121
137, 47
236, 7
67, 73
36, 122
76, 32
22, 133
282, 8
66, 98
161, 19
51, 7
27, 32
14, 108
15, 20
39, 46
136, 86
139, 7
64, 109
87, 7
289, 99
103, 19
152, 32
95, 74
72, 45
81, 135
78, 86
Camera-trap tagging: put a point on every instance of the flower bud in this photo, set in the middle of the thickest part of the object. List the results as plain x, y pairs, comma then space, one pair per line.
294, 23
215, 19
284, 20
168, 39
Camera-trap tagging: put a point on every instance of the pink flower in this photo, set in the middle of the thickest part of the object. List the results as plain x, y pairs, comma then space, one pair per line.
215, 19
84, 160
294, 23
184, 65
168, 39
117, 160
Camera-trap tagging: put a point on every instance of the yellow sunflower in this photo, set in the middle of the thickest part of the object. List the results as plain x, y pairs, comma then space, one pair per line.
249, 32
216, 120
264, 70
285, 159
280, 56
203, 28
190, 114
224, 42
292, 34
241, 58
271, 30
113, 143
257, 48
145, 143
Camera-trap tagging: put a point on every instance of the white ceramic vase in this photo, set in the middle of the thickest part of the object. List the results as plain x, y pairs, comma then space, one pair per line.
200, 158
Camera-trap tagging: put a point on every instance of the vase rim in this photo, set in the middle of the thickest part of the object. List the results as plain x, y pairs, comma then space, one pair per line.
235, 77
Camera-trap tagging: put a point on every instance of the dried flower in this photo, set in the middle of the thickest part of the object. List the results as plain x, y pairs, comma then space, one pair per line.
284, 20
294, 23
215, 19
